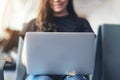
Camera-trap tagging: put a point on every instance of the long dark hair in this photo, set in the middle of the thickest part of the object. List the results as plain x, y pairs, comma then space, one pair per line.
45, 18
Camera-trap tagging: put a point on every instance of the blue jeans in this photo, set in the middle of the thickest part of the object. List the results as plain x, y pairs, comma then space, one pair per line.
32, 77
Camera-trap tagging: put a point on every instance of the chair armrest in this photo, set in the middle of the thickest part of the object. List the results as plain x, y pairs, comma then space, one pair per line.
20, 68
2, 63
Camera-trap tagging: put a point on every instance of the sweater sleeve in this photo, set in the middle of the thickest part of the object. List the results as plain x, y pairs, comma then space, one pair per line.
87, 27
29, 27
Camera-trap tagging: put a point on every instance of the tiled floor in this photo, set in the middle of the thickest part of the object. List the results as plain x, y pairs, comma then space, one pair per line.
9, 75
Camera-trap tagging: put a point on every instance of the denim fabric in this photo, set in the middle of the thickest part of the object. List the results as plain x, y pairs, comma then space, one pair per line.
33, 77
74, 78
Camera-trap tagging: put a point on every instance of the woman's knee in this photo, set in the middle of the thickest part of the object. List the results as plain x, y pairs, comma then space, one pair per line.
32, 77
74, 78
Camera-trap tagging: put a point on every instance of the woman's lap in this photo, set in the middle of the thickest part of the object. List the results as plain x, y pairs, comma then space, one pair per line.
32, 77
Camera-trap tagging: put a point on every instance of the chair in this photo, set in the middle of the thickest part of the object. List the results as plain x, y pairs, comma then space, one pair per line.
107, 65
20, 68
7, 47
2, 63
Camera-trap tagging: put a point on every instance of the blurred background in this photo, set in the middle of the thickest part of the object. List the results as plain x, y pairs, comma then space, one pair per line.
15, 13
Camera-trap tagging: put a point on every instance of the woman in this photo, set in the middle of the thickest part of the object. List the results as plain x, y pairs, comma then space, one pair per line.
57, 16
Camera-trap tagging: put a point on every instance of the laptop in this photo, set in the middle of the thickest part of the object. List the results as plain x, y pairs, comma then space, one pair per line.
59, 53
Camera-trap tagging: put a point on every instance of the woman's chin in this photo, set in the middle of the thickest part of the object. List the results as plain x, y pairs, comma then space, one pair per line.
58, 11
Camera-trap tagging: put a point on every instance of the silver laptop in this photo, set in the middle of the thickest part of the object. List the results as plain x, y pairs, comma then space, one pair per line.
58, 53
